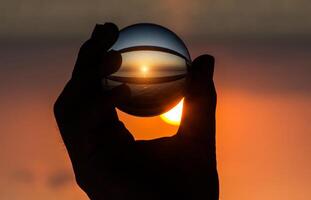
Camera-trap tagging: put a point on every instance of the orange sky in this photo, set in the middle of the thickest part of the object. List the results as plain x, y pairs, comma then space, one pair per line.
263, 128
262, 74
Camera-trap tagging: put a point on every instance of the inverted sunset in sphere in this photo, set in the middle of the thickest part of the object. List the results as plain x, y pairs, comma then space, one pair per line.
154, 66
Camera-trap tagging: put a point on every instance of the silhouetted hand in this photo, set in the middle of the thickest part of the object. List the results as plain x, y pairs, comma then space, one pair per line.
107, 161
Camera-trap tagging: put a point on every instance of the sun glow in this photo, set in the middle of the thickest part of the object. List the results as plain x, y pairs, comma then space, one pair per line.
173, 116
144, 68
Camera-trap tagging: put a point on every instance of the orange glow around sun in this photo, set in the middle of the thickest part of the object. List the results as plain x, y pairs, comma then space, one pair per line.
173, 116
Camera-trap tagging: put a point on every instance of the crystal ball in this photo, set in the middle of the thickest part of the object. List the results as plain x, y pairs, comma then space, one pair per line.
154, 66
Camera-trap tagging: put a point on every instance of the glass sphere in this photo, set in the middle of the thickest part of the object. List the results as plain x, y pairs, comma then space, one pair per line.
154, 66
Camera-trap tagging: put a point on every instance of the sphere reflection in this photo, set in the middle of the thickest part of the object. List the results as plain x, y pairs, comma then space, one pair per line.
154, 66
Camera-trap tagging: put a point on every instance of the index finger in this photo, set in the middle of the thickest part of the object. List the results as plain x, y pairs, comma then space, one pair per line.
93, 53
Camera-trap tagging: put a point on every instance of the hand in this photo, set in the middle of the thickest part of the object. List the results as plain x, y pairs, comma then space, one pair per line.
108, 163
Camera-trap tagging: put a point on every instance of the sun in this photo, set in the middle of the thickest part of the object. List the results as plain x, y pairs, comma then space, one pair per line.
144, 68
173, 116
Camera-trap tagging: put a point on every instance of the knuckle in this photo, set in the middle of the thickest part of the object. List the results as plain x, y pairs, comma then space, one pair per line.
84, 181
80, 181
57, 108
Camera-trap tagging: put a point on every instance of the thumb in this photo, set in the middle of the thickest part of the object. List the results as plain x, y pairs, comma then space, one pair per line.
198, 120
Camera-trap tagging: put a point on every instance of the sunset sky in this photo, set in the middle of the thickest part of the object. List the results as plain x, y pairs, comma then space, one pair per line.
262, 74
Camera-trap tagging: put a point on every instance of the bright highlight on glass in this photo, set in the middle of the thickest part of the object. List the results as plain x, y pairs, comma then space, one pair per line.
173, 116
